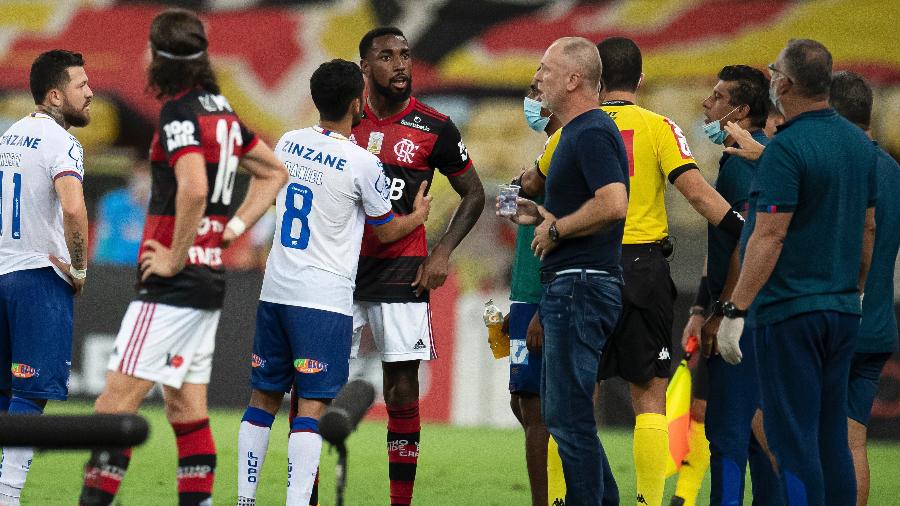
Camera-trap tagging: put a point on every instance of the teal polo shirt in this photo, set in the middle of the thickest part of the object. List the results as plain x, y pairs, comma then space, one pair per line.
526, 268
733, 184
820, 167
878, 328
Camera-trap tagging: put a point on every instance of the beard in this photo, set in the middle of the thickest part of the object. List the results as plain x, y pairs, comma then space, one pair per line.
390, 93
75, 117
357, 119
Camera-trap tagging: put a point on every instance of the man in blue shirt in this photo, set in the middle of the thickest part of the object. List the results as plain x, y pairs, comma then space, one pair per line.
851, 97
578, 237
810, 232
740, 96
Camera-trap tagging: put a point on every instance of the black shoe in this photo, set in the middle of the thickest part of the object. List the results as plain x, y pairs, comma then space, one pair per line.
676, 501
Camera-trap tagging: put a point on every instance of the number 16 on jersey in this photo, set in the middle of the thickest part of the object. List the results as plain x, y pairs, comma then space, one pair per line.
296, 217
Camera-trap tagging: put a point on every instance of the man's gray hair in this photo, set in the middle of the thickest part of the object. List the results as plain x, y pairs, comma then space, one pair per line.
582, 56
808, 64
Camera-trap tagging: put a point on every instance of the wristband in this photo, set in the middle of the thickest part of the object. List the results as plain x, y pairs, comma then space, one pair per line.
236, 225
732, 223
78, 274
702, 299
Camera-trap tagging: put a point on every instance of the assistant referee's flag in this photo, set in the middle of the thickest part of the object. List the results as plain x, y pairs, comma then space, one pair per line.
678, 410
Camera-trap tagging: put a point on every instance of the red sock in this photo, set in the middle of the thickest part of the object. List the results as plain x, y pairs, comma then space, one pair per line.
196, 462
403, 451
102, 476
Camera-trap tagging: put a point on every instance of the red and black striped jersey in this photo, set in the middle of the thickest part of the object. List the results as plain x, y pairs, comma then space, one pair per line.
410, 145
194, 122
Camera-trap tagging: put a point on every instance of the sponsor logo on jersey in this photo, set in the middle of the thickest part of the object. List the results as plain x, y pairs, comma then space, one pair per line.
24, 371
174, 360
179, 134
463, 152
405, 149
416, 125
375, 140
76, 153
681, 139
663, 354
257, 361
215, 103
419, 345
309, 366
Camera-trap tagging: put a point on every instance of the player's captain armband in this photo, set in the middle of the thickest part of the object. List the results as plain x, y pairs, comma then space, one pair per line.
380, 220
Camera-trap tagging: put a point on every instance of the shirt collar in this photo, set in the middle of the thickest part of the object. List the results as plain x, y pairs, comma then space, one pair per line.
818, 113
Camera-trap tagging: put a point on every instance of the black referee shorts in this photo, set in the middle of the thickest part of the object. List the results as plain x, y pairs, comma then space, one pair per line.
640, 347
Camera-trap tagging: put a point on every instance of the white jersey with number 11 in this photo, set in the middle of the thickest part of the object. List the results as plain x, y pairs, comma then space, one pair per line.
334, 188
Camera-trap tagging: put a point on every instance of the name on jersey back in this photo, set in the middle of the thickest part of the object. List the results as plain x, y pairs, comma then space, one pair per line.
304, 173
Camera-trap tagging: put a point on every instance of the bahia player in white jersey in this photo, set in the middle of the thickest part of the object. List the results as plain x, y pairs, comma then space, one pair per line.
43, 247
304, 318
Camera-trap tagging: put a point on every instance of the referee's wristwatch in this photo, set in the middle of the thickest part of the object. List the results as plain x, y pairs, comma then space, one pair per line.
732, 311
553, 232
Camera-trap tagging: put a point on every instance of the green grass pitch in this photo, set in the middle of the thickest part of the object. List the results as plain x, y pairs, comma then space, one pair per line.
473, 466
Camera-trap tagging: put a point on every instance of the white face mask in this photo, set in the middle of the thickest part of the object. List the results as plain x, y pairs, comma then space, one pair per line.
773, 96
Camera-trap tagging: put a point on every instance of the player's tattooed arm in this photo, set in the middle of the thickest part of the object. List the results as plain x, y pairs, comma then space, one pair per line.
433, 271
77, 250
75, 226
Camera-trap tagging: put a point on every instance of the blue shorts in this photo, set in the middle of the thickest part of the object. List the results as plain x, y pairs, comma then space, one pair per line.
35, 334
865, 370
303, 347
524, 365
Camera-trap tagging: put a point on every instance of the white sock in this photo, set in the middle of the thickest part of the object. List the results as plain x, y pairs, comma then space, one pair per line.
14, 466
304, 449
253, 442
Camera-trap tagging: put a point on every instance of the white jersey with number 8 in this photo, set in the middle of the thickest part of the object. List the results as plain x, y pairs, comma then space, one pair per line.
34, 152
334, 188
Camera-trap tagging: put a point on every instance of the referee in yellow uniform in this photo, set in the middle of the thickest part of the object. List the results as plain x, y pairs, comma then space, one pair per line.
639, 349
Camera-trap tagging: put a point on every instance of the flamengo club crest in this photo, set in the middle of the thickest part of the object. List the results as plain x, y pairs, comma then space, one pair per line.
404, 150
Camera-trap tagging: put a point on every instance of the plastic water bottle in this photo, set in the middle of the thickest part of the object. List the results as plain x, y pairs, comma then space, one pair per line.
493, 320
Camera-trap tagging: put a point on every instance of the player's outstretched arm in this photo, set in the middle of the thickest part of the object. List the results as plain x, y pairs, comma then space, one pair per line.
401, 226
707, 201
268, 176
190, 203
75, 225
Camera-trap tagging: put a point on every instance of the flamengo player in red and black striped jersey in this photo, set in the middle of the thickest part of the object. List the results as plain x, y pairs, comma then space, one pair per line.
168, 334
393, 280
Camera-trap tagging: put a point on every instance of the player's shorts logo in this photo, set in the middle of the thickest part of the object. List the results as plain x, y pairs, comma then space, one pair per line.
23, 371
174, 360
256, 361
309, 366
404, 149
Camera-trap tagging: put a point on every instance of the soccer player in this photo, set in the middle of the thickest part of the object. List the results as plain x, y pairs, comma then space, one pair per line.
394, 280
740, 96
523, 323
43, 247
168, 333
809, 239
304, 318
638, 351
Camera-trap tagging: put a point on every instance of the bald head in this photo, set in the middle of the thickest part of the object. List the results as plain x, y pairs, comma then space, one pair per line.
581, 57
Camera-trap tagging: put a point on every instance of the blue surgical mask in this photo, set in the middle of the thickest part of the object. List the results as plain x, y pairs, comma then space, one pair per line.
533, 115
713, 130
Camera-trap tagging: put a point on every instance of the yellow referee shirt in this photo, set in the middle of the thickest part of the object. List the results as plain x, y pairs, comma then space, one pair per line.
657, 150
549, 147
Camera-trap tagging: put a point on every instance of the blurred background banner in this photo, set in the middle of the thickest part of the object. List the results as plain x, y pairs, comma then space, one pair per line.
473, 60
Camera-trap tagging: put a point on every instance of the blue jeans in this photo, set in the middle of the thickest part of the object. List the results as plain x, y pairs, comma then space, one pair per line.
804, 369
733, 399
578, 312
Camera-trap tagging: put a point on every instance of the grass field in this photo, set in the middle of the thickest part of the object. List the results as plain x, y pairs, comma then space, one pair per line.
472, 466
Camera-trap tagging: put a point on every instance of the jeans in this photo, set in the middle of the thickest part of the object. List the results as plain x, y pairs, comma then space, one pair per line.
578, 312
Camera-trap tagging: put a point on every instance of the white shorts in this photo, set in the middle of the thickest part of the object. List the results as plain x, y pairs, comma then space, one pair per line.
401, 330
166, 344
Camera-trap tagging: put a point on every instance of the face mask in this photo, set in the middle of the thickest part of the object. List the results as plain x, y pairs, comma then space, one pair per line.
773, 96
533, 115
713, 130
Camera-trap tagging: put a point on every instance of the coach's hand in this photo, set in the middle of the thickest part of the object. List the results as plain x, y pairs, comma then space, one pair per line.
159, 260
527, 212
542, 243
77, 284
433, 271
708, 334
747, 146
534, 336
729, 340
691, 328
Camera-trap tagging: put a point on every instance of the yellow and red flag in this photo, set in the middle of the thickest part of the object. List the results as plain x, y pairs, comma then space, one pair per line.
678, 410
